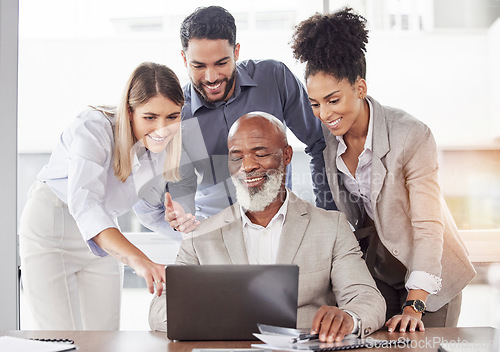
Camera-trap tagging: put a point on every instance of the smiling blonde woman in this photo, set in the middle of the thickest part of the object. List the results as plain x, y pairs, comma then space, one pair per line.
101, 165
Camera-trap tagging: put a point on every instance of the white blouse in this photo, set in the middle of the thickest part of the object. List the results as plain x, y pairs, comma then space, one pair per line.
360, 185
80, 172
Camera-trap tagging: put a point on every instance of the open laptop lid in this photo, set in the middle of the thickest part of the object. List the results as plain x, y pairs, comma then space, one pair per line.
226, 302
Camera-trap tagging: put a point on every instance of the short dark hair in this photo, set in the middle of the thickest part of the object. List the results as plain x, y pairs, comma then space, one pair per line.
212, 22
333, 43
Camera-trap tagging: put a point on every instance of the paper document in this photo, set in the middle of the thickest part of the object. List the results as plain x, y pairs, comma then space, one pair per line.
283, 343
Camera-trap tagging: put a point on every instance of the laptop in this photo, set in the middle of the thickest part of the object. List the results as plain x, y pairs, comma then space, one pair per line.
226, 302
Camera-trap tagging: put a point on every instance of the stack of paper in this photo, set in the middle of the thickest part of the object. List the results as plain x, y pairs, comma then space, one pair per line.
285, 339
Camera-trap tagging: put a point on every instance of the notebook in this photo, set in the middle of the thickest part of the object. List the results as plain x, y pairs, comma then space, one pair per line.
18, 344
226, 302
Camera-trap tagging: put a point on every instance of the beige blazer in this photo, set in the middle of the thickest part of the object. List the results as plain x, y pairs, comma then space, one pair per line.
322, 245
410, 215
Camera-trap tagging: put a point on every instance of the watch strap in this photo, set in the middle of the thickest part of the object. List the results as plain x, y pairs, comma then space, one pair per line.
411, 303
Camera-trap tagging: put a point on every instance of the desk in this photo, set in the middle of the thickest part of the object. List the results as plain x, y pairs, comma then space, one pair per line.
144, 341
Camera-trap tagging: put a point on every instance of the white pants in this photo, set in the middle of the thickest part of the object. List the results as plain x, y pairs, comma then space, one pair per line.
67, 287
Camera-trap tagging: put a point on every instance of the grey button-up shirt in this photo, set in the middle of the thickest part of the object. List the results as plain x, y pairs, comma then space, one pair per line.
267, 86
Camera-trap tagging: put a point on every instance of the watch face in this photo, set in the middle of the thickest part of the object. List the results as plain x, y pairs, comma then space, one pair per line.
419, 305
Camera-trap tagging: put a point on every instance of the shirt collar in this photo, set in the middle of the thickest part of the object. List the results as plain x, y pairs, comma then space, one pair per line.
242, 80
281, 214
138, 154
369, 136
141, 155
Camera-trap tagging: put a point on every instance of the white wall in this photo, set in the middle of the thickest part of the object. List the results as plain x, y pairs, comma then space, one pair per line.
447, 78
9, 307
442, 78
494, 60
73, 55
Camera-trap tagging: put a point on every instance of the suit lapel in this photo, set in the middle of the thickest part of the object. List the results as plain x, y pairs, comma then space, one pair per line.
380, 146
294, 229
344, 203
232, 235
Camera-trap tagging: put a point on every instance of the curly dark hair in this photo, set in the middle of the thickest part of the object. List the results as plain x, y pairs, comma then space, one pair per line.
333, 43
212, 22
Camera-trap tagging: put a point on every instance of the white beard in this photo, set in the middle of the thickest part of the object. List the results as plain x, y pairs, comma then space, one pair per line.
259, 199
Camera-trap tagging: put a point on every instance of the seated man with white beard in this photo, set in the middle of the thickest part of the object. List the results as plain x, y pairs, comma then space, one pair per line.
271, 225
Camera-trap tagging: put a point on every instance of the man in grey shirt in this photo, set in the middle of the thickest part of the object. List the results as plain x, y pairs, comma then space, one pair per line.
221, 90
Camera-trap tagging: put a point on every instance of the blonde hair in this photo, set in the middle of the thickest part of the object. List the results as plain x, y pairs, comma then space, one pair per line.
147, 81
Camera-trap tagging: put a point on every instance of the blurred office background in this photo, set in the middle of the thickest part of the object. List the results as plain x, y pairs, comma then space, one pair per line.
437, 59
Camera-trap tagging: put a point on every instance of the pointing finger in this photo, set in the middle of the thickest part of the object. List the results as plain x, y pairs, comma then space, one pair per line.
168, 202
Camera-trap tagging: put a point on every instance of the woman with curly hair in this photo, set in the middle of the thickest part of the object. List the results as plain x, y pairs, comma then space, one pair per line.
382, 170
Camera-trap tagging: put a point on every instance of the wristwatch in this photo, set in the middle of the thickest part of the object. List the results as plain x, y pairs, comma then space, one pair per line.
418, 305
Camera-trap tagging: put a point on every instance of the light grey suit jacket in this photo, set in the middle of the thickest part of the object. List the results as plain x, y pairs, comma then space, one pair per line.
410, 215
322, 245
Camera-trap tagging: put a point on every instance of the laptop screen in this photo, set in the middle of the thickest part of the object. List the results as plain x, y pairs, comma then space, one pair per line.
226, 302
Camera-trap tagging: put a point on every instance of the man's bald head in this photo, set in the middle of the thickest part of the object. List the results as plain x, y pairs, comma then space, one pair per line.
260, 120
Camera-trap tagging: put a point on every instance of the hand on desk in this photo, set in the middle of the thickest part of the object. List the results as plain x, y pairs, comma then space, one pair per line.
332, 324
408, 319
152, 273
177, 217
114, 243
